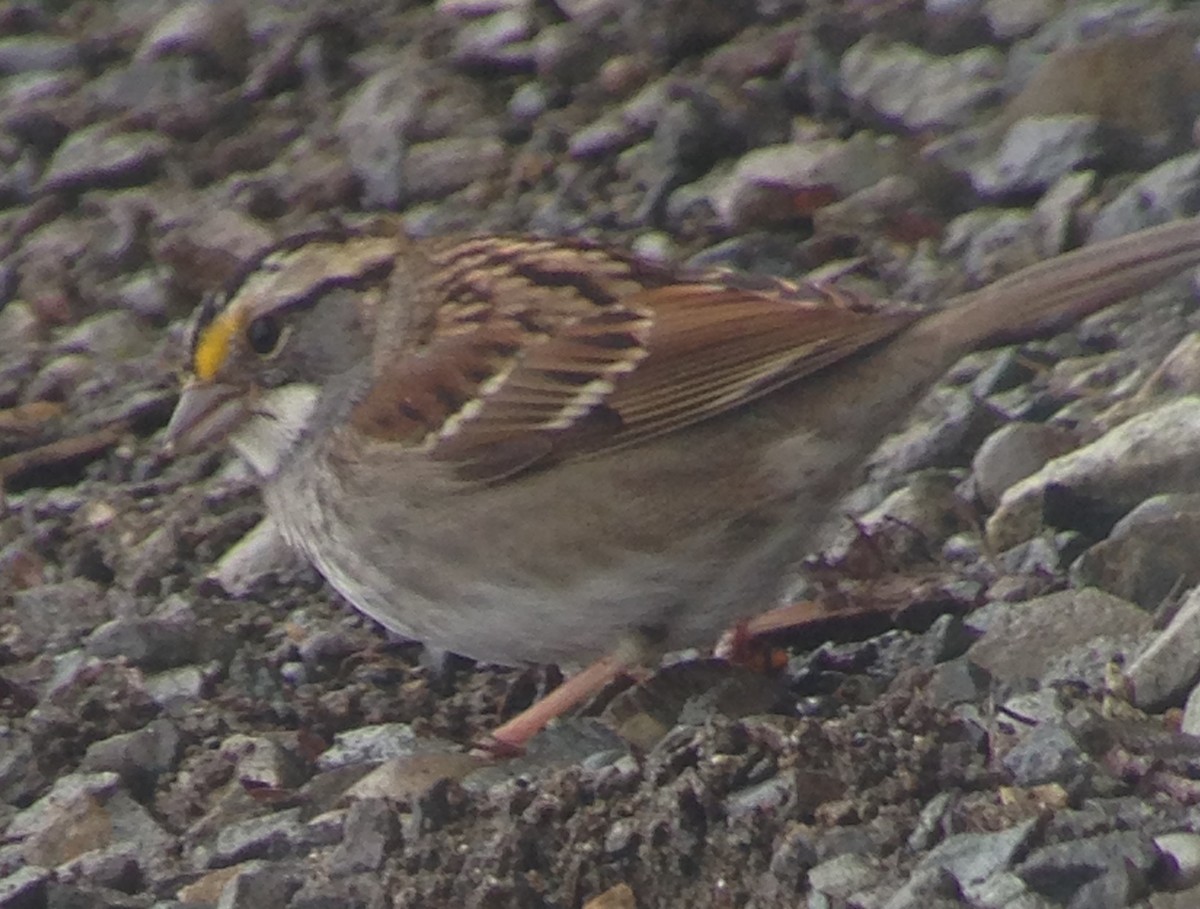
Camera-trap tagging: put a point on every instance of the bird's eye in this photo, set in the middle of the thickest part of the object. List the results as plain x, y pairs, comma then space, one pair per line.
263, 334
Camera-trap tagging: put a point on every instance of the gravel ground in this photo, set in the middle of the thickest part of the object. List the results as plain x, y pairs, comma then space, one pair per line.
1016, 728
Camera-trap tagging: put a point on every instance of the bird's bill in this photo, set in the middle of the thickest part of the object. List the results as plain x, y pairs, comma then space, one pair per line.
207, 413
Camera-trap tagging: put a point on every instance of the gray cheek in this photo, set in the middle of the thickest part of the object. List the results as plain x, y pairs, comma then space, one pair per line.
273, 377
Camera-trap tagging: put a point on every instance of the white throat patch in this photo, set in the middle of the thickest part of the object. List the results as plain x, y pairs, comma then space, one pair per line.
279, 418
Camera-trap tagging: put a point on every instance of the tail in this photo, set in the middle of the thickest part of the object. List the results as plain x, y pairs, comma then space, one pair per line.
1054, 294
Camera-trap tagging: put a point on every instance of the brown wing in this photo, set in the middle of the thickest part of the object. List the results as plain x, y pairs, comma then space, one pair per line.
506, 381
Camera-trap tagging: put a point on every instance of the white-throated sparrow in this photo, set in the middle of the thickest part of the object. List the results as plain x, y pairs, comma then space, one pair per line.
530, 450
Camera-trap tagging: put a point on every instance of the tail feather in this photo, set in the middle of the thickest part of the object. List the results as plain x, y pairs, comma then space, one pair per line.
1050, 296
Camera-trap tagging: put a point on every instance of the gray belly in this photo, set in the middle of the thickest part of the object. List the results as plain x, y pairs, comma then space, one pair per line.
512, 575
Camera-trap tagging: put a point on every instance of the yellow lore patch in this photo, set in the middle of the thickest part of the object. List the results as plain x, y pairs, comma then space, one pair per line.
212, 350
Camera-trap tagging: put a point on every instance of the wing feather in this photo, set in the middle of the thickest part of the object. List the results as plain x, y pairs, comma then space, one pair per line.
704, 350
523, 362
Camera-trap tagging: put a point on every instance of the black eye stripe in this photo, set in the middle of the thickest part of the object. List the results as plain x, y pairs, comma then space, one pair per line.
210, 305
262, 334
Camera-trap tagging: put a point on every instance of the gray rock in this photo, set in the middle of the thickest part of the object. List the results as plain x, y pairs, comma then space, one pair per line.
926, 888
33, 53
931, 824
840, 877
260, 553
1180, 853
56, 616
145, 295
793, 857
870, 210
1150, 555
404, 780
394, 109
992, 243
674, 28
1028, 641
1036, 152
1178, 374
1171, 190
369, 744
20, 778
1038, 556
1190, 723
498, 40
85, 812
1156, 452
212, 33
1057, 210
1116, 888
265, 761
528, 102
114, 335
138, 756
60, 375
24, 888
958, 681
1007, 891
632, 123
258, 884
768, 795
374, 128
1107, 815
1017, 18
935, 438
1156, 509
1048, 753
19, 326
1062, 871
904, 84
119, 868
363, 891
175, 687
271, 836
437, 168
929, 505
156, 642
1170, 665
1014, 452
605, 136
371, 833
97, 157
971, 858
569, 742
760, 187
91, 896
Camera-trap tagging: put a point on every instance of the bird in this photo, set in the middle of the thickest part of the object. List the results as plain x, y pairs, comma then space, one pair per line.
537, 450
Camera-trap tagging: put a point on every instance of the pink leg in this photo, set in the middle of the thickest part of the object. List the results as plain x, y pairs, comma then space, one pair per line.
511, 737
